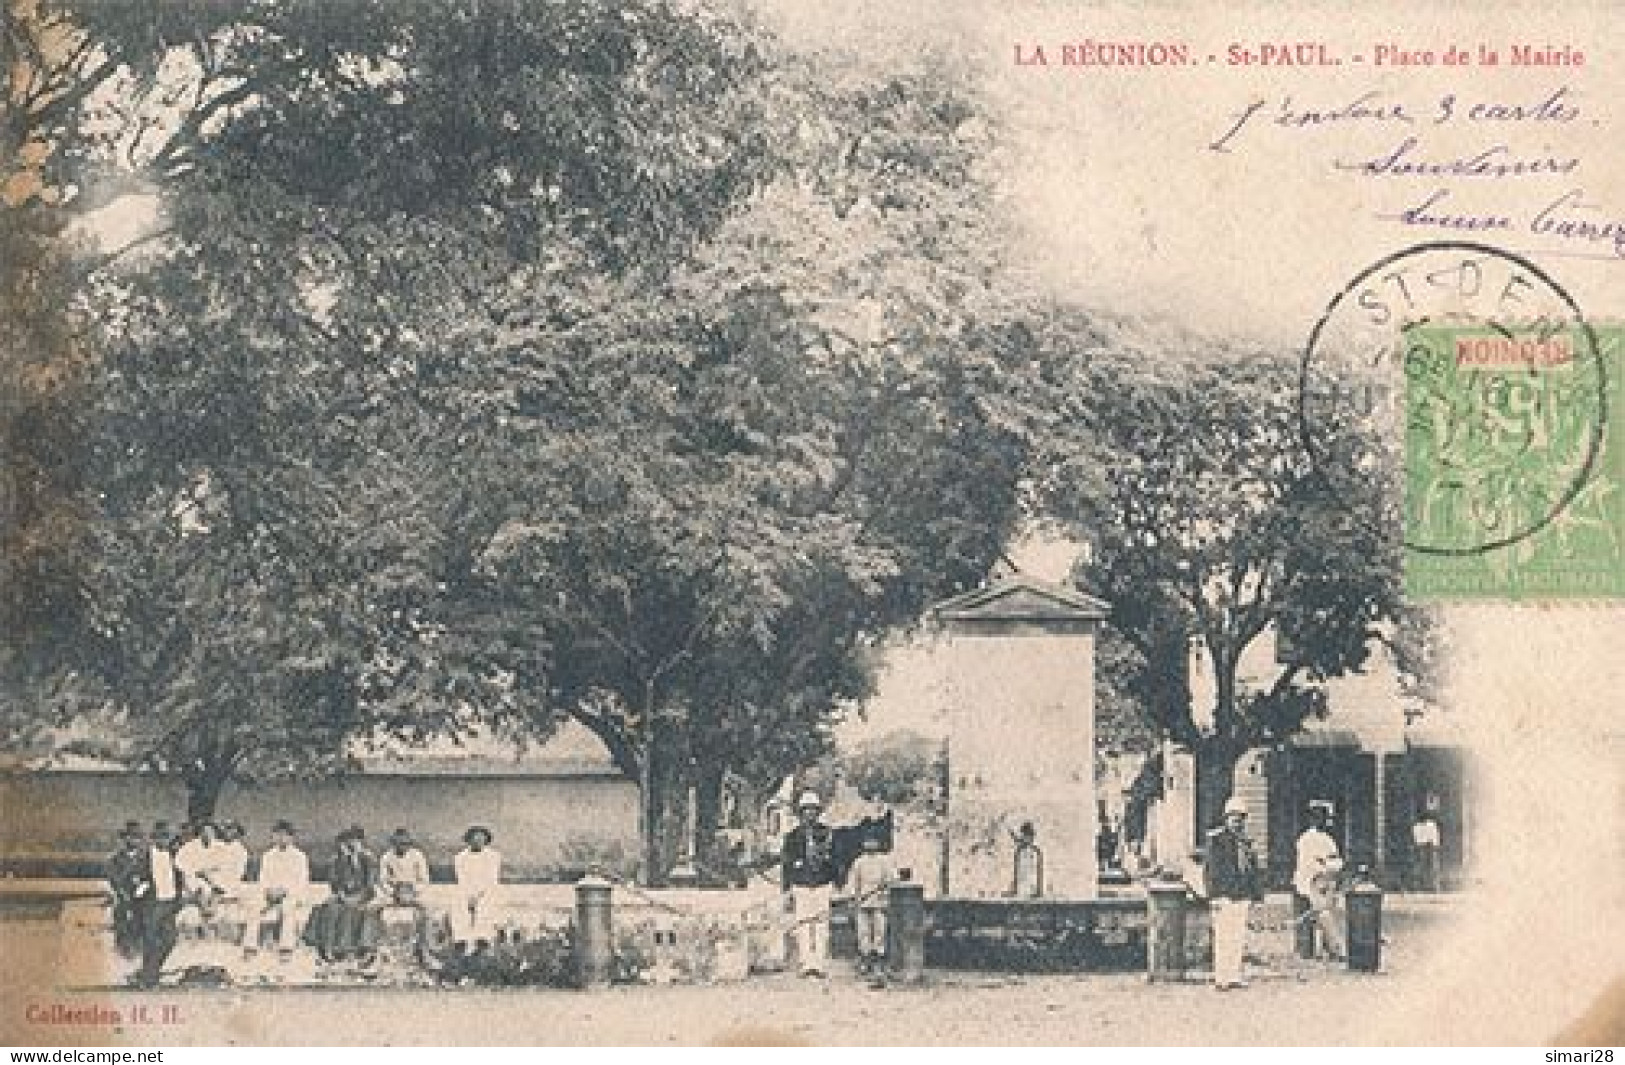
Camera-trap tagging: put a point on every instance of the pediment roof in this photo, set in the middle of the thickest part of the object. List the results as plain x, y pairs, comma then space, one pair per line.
1022, 599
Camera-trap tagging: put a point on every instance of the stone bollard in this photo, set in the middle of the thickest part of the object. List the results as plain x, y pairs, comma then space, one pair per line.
906, 949
1364, 902
595, 932
1165, 930
1303, 929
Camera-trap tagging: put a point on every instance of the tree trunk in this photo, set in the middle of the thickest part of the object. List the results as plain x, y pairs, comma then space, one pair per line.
203, 792
1216, 754
708, 817
1216, 758
650, 872
671, 788
660, 783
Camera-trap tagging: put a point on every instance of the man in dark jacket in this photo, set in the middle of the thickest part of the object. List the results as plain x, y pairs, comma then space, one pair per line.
807, 876
157, 900
123, 877
1234, 883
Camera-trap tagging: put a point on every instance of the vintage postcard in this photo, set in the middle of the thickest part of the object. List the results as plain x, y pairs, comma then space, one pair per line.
752, 521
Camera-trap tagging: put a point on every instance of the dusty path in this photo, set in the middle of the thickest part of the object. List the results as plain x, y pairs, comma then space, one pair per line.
1307, 1004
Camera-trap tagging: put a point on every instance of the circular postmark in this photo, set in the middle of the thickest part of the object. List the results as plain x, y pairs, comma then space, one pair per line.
1465, 381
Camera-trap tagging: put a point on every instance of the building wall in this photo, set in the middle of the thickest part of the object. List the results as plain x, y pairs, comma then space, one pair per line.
1342, 776
62, 823
1438, 778
1347, 777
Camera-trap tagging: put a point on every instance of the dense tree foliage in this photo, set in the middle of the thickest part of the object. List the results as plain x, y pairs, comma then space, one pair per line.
897, 768
1207, 519
585, 358
488, 363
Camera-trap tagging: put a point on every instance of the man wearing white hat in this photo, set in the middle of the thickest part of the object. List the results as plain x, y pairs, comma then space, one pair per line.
1233, 884
1315, 875
807, 876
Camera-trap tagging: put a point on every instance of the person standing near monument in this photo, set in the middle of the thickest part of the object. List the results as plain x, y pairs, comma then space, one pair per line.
1106, 843
1315, 878
1233, 884
1425, 844
807, 876
870, 881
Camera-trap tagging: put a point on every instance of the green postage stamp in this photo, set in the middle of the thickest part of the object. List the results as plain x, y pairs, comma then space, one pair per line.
1513, 463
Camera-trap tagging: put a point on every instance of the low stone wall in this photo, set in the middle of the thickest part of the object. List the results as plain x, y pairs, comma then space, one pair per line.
1036, 935
667, 936
1102, 935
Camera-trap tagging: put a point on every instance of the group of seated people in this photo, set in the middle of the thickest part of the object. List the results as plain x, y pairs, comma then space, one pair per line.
375, 903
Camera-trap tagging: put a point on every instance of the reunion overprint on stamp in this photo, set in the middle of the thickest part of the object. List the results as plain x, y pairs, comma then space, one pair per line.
1488, 405
1512, 466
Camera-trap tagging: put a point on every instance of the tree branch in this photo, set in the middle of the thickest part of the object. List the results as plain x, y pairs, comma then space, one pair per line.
621, 749
687, 650
71, 97
105, 260
1284, 681
190, 133
1255, 617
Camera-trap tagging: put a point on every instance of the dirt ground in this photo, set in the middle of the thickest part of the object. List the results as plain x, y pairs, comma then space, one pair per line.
1289, 1002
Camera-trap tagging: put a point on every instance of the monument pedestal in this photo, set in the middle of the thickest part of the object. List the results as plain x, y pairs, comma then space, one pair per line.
1021, 740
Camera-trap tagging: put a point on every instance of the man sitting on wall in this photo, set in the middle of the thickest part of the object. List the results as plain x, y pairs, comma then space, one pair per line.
202, 861
403, 874
284, 877
123, 876
231, 873
345, 926
403, 871
157, 893
233, 853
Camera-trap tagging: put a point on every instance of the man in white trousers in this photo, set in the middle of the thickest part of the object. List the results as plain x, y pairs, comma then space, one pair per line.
1234, 883
807, 877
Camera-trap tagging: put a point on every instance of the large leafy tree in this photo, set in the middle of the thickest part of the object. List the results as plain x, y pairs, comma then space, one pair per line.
227, 609
715, 489
505, 361
1206, 519
43, 367
418, 402
262, 576
43, 381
